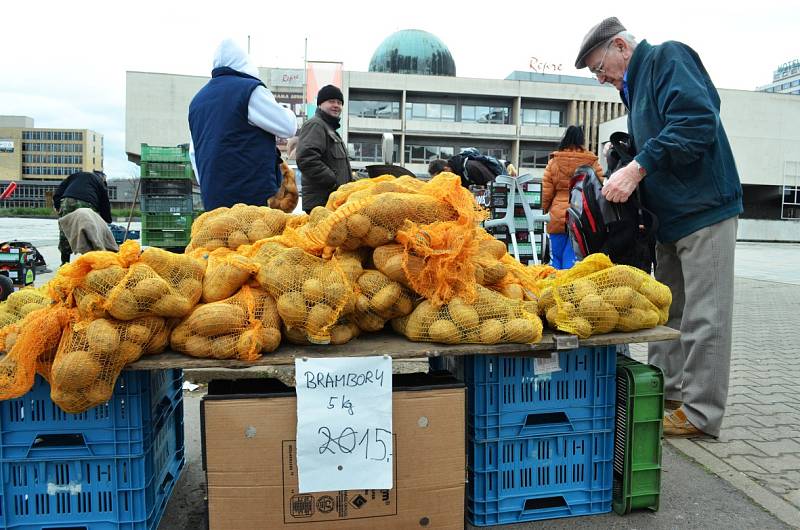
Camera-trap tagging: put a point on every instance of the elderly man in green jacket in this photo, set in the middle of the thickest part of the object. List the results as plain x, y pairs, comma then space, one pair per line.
688, 178
321, 153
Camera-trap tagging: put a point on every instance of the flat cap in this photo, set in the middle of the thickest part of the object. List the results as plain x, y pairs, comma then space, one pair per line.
597, 36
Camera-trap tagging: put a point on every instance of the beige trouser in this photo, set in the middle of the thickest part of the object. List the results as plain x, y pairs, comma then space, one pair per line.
699, 271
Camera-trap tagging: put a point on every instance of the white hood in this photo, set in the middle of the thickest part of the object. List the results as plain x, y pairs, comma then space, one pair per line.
231, 55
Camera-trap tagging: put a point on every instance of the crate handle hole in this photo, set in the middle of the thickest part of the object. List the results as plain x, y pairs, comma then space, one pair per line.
545, 418
545, 503
58, 440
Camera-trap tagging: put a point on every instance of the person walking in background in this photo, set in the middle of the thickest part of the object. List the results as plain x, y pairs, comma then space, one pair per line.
688, 177
560, 168
233, 122
80, 190
321, 153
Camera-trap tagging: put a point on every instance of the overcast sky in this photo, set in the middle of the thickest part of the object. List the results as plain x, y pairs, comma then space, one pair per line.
64, 63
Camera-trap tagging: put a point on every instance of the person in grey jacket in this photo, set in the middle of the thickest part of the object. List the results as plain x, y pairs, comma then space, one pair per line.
321, 153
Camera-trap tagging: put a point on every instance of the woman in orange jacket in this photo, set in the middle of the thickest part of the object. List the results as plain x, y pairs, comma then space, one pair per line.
555, 192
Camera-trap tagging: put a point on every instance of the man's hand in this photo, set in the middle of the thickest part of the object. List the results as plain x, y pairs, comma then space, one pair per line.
619, 186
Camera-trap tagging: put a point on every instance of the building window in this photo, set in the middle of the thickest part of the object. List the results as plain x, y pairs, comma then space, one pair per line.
374, 109
541, 117
790, 207
534, 158
366, 151
422, 154
430, 112
481, 114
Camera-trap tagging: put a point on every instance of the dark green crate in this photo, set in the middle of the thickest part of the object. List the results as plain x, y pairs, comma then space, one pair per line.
159, 153
637, 438
167, 221
166, 238
166, 170
179, 204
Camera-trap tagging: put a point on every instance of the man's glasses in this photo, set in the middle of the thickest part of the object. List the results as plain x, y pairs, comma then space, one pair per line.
598, 70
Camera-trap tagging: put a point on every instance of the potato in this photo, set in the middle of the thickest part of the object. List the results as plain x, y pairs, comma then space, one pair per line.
341, 334
223, 281
172, 306
249, 344
479, 275
399, 324
157, 343
393, 269
637, 319
124, 306
102, 336
138, 333
220, 226
313, 290
493, 272
236, 239
620, 297
257, 230
552, 316
129, 352
402, 307
292, 309
337, 234
491, 332
362, 304
378, 236
296, 335
197, 346
522, 330
335, 293
513, 291
444, 331
215, 319
591, 306
580, 289
491, 305
531, 306
102, 281
641, 302
622, 275
492, 247
386, 297
358, 225
581, 326
383, 253
223, 346
179, 336
74, 370
463, 316
214, 244
606, 319
369, 321
149, 290
420, 319
270, 339
658, 293
30, 307
320, 316
546, 300
90, 305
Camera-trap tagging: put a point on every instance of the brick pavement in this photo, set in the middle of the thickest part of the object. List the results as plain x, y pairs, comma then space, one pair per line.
761, 431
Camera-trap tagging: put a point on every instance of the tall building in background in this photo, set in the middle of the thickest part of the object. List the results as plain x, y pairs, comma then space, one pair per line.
785, 80
37, 159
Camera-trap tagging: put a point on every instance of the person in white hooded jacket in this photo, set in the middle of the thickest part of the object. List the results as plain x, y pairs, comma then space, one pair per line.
234, 121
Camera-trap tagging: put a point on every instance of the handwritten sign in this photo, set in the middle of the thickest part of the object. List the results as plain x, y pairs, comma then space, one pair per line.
344, 423
541, 66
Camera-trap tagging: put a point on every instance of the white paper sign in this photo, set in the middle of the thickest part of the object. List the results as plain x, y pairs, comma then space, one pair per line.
547, 365
344, 423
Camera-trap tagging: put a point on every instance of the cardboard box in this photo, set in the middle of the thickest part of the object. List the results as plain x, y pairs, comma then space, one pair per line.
249, 430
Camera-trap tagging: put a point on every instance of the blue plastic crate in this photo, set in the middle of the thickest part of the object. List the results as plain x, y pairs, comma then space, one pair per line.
507, 398
119, 233
543, 477
106, 493
33, 427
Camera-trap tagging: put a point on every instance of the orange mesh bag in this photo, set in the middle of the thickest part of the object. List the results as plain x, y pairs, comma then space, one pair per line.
240, 327
38, 337
287, 196
351, 262
380, 299
161, 283
532, 278
236, 226
374, 220
342, 332
359, 189
92, 354
620, 298
226, 272
17, 306
311, 292
491, 319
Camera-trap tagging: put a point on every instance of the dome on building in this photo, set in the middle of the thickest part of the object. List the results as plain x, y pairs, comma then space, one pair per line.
413, 51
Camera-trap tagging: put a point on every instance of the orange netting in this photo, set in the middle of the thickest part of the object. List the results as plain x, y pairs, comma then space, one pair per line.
240, 327
359, 189
236, 226
226, 272
380, 299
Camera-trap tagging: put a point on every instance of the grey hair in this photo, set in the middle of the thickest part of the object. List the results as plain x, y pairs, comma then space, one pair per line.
628, 37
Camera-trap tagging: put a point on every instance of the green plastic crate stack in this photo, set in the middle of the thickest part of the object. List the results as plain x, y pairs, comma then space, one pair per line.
637, 440
167, 214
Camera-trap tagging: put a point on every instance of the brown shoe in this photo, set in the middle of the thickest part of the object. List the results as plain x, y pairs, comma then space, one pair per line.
672, 404
676, 425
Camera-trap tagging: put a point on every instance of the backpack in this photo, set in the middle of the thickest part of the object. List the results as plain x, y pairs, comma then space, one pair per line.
458, 164
623, 231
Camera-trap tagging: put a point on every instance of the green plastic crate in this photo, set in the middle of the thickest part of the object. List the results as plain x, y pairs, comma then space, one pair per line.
637, 439
167, 221
167, 170
158, 153
166, 238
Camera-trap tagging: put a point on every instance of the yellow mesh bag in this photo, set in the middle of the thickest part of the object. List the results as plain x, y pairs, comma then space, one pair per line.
92, 354
240, 327
17, 306
491, 319
232, 227
362, 188
380, 299
532, 278
620, 298
226, 272
38, 337
342, 332
311, 292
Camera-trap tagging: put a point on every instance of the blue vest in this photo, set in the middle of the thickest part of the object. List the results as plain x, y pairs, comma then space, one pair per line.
236, 160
